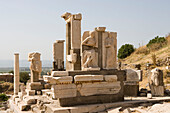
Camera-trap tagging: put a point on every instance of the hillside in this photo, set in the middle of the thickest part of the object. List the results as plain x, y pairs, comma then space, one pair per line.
142, 59
142, 56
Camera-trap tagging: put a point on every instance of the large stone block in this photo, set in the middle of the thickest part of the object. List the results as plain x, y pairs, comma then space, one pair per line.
35, 86
88, 89
63, 80
63, 86
58, 80
110, 78
88, 78
64, 91
59, 73
131, 90
133, 75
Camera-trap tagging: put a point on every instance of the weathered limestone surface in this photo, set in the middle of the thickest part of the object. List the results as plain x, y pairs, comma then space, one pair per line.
89, 54
88, 89
58, 55
64, 91
35, 66
156, 82
59, 73
73, 40
35, 86
67, 79
58, 80
110, 78
133, 75
157, 90
131, 85
16, 73
99, 49
88, 78
109, 49
72, 58
131, 88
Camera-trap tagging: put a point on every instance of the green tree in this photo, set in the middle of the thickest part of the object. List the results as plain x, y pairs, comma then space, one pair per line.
157, 40
3, 97
11, 72
125, 51
24, 77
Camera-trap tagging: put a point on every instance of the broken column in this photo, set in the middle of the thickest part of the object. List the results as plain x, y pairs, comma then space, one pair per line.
35, 66
16, 73
58, 55
73, 41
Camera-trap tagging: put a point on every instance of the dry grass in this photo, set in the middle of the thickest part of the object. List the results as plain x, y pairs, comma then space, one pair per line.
6, 87
142, 50
145, 58
142, 56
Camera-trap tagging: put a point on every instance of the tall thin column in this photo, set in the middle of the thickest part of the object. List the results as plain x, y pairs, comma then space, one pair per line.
16, 73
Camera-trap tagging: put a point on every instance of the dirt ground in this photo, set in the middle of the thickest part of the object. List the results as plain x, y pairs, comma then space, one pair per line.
156, 108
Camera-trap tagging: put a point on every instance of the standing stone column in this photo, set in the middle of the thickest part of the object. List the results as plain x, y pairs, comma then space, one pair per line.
16, 73
58, 55
73, 41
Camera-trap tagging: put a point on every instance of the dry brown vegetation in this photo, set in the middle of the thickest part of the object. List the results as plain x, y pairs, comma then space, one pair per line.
140, 56
6, 87
151, 55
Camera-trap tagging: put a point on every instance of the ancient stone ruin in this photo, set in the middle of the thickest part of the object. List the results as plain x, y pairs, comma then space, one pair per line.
88, 82
91, 75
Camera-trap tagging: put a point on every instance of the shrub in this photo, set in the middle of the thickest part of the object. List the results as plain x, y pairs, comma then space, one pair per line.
6, 86
1, 82
24, 77
3, 97
159, 41
125, 51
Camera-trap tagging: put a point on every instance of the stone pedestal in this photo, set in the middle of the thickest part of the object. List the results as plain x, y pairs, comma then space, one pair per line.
89, 87
131, 88
131, 85
16, 73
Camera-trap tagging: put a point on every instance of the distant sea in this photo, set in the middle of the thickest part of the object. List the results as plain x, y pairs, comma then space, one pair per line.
22, 63
8, 65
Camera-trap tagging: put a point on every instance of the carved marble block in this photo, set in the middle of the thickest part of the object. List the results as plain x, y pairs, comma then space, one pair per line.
99, 49
156, 82
36, 66
58, 55
109, 43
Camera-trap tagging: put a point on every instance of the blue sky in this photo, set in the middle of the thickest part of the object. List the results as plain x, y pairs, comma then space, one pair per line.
33, 25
